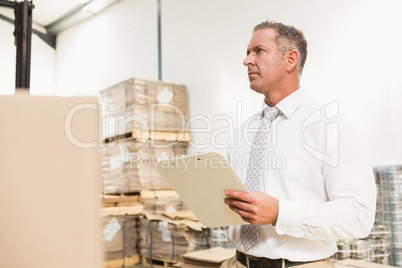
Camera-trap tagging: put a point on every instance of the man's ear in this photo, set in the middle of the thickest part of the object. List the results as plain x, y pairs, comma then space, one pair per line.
292, 59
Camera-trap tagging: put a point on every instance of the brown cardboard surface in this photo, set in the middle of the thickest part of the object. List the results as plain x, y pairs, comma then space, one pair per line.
158, 194
195, 225
49, 183
181, 215
212, 255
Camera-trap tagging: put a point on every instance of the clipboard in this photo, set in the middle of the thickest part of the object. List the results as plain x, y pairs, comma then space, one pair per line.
201, 180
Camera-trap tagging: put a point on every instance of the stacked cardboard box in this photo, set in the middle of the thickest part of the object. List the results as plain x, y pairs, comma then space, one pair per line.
142, 121
389, 207
219, 239
160, 202
375, 248
120, 235
167, 237
142, 108
129, 166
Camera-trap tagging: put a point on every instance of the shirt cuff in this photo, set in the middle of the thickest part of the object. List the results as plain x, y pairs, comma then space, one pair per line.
289, 218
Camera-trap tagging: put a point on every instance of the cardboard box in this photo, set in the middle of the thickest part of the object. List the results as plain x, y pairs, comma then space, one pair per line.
49, 182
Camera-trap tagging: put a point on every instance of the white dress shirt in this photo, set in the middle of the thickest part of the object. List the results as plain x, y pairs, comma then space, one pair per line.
318, 168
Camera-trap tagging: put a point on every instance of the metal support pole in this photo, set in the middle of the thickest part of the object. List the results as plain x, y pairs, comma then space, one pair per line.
6, 3
159, 40
23, 34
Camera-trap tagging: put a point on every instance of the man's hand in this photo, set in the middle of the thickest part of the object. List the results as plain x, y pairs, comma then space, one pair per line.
256, 207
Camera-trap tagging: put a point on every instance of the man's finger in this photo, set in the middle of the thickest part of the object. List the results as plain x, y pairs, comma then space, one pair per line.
243, 196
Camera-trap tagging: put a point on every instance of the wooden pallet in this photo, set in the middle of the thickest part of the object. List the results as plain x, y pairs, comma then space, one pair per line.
138, 135
122, 210
126, 262
120, 200
155, 262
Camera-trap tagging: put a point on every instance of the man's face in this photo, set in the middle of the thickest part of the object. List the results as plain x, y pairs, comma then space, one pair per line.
265, 68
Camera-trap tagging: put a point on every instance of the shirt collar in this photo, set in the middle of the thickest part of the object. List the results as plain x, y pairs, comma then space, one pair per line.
288, 105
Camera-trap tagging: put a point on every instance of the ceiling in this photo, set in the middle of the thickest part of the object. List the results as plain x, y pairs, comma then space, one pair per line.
46, 11
53, 13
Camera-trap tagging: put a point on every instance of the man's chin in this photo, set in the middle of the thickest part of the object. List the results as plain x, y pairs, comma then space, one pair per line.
255, 87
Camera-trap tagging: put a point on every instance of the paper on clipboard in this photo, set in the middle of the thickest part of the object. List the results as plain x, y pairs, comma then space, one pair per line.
201, 180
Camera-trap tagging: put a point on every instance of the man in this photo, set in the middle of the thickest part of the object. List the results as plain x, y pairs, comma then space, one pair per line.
308, 173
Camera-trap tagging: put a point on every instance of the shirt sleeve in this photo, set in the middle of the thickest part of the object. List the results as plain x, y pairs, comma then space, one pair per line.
350, 186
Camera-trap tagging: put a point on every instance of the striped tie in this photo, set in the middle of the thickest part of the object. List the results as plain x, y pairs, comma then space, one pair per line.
250, 233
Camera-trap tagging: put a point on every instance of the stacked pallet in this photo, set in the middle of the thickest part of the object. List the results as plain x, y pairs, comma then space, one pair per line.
160, 202
143, 109
375, 248
389, 207
165, 238
143, 121
130, 167
120, 235
219, 239
380, 244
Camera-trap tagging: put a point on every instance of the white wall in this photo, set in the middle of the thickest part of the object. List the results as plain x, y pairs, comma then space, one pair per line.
353, 57
7, 56
114, 45
43, 68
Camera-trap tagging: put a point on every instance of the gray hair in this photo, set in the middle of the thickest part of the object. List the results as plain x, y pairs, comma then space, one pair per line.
288, 38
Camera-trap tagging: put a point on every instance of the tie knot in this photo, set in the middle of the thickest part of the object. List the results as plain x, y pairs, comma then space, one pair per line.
270, 113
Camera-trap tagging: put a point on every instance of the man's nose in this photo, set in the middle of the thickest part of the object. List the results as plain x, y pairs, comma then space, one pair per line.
248, 60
